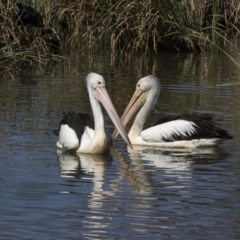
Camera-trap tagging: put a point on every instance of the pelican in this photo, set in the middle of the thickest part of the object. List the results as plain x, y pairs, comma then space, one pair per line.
78, 132
179, 131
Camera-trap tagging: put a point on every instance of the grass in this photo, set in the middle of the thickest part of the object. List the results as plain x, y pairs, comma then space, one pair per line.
126, 27
185, 25
20, 44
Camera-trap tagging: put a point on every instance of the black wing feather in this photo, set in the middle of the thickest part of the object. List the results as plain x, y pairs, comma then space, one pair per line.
77, 121
206, 127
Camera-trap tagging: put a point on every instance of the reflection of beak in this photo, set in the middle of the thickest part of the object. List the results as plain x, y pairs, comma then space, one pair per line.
136, 102
101, 95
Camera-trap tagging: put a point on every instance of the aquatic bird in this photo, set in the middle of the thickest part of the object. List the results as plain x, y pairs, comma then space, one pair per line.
78, 132
198, 130
27, 15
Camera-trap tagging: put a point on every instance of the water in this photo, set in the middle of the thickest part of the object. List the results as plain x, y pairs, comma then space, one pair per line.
135, 193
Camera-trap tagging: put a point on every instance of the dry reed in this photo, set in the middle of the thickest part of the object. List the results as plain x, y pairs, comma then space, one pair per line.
146, 25
123, 26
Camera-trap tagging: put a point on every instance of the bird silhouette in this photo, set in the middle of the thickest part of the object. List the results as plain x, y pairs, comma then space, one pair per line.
27, 15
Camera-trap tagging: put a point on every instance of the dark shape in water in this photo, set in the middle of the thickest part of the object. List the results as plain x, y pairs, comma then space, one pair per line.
27, 15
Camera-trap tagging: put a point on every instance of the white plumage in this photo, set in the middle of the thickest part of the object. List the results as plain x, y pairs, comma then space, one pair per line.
67, 138
167, 130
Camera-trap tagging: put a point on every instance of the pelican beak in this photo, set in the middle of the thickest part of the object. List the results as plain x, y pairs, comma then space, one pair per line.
100, 93
136, 102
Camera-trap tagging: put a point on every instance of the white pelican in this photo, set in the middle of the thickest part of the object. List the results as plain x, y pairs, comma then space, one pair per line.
77, 131
178, 131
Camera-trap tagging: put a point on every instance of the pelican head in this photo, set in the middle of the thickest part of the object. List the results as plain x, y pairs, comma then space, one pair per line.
94, 80
146, 93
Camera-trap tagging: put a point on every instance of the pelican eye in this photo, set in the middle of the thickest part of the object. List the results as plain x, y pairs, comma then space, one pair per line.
99, 82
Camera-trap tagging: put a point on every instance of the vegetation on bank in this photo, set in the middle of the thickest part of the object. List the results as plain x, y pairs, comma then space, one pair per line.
124, 26
148, 25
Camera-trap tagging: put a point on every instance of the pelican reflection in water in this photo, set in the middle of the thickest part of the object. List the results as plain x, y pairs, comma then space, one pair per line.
78, 165
90, 170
